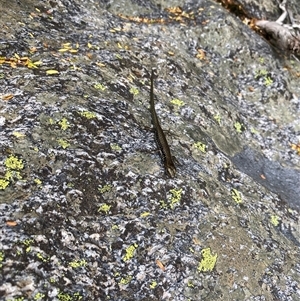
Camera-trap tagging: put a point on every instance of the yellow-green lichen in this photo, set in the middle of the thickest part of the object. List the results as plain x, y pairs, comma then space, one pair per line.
208, 261
39, 296
41, 257
104, 208
153, 284
18, 135
77, 296
99, 86
275, 220
268, 81
64, 124
27, 243
115, 146
115, 227
177, 102
1, 258
63, 143
217, 118
37, 181
13, 162
254, 131
8, 175
238, 126
261, 72
130, 252
88, 115
17, 175
176, 196
125, 280
145, 214
236, 196
105, 188
3, 184
78, 263
163, 204
201, 146
134, 91
16, 299
64, 297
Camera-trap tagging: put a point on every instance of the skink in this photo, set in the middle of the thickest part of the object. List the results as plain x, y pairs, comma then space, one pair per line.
160, 136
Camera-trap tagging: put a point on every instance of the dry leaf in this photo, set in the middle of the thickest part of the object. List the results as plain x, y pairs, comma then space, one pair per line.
7, 97
50, 72
11, 223
160, 265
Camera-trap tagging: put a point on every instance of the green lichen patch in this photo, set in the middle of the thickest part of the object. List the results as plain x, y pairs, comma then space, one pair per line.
130, 252
176, 197
78, 263
14, 163
27, 243
208, 261
63, 143
163, 204
177, 102
115, 227
268, 81
115, 147
38, 181
236, 196
69, 297
100, 87
125, 280
275, 220
145, 214
17, 299
3, 184
8, 175
39, 296
105, 188
104, 208
260, 73
134, 91
238, 127
19, 135
153, 284
64, 124
88, 114
217, 118
201, 146
254, 131
1, 258
42, 258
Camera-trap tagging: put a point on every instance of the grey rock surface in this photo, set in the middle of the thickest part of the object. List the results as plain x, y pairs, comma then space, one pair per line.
87, 211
